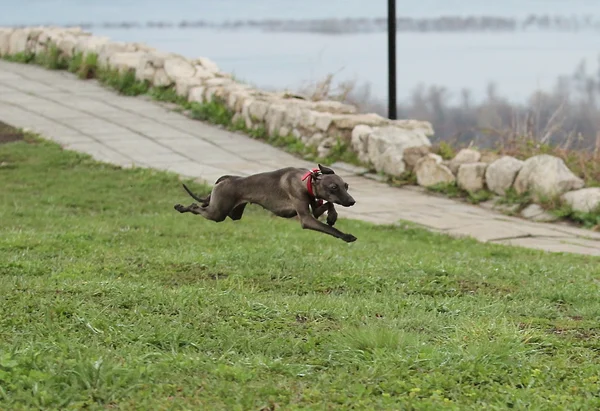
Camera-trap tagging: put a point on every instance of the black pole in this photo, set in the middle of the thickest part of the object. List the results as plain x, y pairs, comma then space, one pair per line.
392, 59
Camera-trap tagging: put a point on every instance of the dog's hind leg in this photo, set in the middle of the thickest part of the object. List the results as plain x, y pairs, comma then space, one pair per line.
222, 203
208, 212
192, 208
237, 212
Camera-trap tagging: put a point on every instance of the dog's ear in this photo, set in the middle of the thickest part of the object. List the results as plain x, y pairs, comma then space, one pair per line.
325, 170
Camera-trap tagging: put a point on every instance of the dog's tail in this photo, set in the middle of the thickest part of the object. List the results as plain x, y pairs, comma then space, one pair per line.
205, 200
194, 196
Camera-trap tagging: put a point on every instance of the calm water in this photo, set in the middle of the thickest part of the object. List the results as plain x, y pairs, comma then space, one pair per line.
518, 62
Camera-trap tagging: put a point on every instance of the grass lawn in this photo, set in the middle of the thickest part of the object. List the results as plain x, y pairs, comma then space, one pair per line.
110, 299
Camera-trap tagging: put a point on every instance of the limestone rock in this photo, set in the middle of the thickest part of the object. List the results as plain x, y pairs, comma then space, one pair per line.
5, 41
258, 110
125, 61
335, 107
536, 213
585, 200
313, 120
297, 134
145, 72
349, 121
294, 115
66, 45
501, 174
315, 140
322, 120
390, 162
18, 41
196, 94
325, 147
360, 140
208, 64
471, 176
489, 157
546, 175
419, 126
430, 171
237, 97
178, 68
284, 131
217, 82
90, 44
203, 73
148, 65
108, 49
274, 118
183, 85
386, 145
464, 156
161, 79
413, 154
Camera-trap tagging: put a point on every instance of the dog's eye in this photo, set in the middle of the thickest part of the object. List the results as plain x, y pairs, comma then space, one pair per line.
334, 187
346, 186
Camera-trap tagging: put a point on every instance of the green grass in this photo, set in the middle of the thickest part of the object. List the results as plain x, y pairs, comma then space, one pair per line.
112, 300
217, 112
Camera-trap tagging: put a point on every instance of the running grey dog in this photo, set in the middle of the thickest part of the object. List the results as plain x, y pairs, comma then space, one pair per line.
287, 192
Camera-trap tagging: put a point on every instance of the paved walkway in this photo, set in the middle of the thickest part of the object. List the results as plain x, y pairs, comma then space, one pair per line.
83, 116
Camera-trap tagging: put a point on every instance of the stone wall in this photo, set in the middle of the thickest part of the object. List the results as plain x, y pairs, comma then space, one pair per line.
316, 123
392, 147
543, 176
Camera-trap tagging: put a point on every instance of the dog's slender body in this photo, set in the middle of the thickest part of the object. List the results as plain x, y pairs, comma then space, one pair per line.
287, 193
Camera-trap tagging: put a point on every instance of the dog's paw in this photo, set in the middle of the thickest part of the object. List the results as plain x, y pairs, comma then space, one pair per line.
179, 207
331, 219
349, 238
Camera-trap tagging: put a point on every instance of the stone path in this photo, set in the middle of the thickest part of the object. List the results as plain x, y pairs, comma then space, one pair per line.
83, 116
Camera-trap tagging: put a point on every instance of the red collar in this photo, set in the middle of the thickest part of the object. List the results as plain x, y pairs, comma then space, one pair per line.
309, 183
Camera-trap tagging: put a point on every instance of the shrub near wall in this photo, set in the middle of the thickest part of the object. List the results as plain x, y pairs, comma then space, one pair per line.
396, 148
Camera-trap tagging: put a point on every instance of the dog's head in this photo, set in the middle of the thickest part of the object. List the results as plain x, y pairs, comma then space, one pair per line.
330, 187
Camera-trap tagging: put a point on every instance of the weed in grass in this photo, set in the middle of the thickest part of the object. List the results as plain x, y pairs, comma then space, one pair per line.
512, 197
169, 95
123, 82
89, 67
213, 111
75, 63
479, 196
452, 190
445, 150
407, 178
23, 57
52, 59
109, 305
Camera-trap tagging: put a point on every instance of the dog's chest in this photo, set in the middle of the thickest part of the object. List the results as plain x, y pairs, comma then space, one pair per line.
280, 208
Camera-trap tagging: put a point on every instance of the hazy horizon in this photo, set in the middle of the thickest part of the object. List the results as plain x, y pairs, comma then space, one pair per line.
517, 62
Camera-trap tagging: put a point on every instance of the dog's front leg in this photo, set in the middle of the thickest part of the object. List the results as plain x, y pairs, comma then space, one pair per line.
319, 211
332, 215
309, 222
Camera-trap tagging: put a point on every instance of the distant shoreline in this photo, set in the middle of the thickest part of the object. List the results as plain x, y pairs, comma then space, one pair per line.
455, 24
